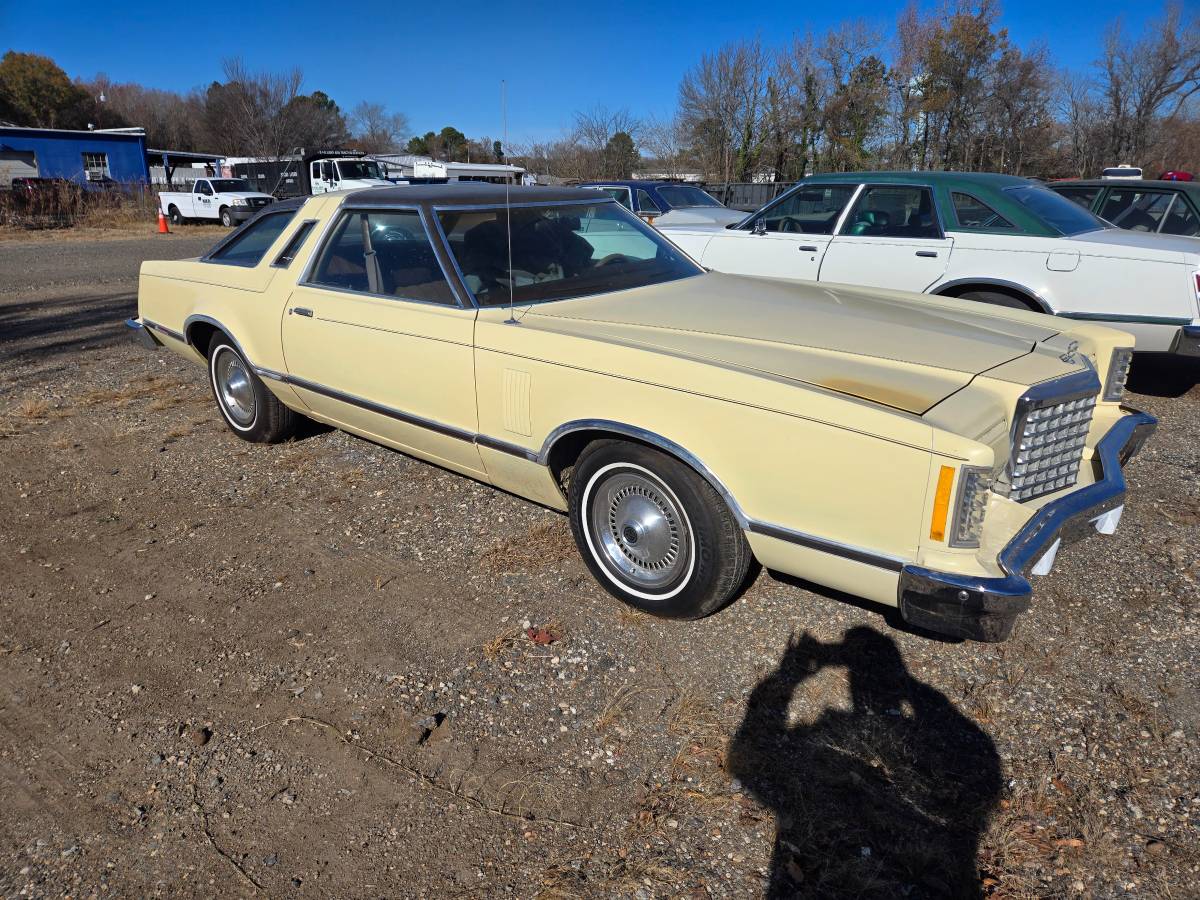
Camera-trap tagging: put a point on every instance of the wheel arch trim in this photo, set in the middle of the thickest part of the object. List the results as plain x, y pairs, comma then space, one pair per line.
644, 436
941, 289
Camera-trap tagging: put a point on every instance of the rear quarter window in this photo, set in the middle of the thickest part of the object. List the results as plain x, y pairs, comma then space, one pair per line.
248, 245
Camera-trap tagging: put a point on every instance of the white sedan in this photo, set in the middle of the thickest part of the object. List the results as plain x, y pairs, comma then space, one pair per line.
993, 238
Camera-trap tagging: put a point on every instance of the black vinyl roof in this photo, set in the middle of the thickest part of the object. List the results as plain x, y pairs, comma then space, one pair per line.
470, 193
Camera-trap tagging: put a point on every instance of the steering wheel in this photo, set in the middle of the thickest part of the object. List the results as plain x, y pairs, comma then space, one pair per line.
395, 233
613, 259
790, 224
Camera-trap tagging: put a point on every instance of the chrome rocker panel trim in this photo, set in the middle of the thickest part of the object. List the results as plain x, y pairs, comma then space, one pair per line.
984, 609
142, 334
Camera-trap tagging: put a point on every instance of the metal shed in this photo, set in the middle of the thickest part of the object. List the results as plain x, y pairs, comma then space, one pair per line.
86, 157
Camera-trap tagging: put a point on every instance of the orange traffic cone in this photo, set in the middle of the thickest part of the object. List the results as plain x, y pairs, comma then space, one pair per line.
162, 224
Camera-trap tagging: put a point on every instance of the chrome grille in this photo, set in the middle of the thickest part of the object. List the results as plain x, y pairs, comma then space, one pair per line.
1048, 447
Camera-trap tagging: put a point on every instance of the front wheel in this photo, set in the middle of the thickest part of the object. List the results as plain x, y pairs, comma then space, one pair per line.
654, 533
226, 217
251, 411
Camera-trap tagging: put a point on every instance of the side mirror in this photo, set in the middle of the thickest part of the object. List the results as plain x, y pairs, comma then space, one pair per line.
760, 226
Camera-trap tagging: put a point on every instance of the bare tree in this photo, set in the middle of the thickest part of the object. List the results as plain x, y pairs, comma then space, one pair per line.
375, 130
1146, 83
722, 101
665, 139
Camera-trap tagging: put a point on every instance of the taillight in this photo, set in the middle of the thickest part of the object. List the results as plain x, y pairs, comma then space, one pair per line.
1198, 284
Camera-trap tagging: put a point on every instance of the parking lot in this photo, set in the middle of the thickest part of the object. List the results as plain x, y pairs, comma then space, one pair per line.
324, 668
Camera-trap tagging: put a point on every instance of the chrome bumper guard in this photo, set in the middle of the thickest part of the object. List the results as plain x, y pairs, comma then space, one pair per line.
142, 334
984, 609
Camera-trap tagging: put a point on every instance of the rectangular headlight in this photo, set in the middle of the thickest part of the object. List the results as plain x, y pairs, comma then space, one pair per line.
1118, 372
971, 506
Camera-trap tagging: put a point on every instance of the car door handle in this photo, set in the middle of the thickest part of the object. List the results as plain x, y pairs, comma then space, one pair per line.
929, 253
301, 311
808, 248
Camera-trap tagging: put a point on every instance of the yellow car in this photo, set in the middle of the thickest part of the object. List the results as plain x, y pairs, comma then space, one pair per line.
922, 452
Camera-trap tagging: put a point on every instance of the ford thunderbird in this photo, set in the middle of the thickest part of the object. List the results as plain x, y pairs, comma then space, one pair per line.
996, 239
924, 453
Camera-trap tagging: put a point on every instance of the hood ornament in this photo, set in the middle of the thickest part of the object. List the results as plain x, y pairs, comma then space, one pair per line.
1068, 356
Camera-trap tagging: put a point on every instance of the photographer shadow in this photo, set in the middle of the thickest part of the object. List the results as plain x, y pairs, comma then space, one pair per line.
886, 799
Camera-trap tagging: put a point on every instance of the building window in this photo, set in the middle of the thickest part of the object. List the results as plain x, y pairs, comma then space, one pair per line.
95, 166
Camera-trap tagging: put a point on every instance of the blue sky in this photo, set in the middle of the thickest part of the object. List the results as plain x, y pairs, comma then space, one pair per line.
441, 63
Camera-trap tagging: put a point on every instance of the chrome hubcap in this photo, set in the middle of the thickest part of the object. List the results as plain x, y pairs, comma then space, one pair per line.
639, 530
234, 387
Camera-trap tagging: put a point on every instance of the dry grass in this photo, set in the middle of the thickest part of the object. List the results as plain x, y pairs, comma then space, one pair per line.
32, 408
148, 387
542, 547
507, 638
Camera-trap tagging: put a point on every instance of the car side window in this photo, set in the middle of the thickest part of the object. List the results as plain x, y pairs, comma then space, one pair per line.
620, 194
897, 211
971, 212
808, 209
1136, 210
198, 187
1084, 196
285, 257
248, 245
1180, 219
646, 204
385, 253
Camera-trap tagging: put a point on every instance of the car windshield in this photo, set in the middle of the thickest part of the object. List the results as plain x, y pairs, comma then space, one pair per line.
559, 252
1053, 209
230, 184
359, 168
683, 196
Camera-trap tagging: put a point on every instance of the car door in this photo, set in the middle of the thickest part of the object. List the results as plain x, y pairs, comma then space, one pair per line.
787, 239
377, 340
202, 199
891, 238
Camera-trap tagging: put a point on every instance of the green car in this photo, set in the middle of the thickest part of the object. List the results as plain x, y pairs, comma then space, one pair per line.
1163, 207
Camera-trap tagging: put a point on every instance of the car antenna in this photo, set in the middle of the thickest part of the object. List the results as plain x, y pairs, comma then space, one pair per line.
512, 319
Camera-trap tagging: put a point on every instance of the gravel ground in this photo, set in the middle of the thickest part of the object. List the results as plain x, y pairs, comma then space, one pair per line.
324, 668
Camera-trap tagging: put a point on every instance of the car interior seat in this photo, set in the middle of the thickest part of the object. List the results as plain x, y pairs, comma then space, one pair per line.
870, 221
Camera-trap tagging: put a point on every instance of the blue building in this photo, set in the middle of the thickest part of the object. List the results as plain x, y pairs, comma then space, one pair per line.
86, 157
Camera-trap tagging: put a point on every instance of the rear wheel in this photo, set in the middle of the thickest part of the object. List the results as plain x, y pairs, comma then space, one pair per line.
251, 411
654, 533
996, 298
174, 215
226, 217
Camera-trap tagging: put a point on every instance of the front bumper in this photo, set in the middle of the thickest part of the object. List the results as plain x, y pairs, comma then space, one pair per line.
1187, 342
984, 609
242, 213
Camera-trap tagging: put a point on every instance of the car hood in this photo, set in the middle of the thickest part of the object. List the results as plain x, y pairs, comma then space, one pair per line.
1136, 243
905, 351
246, 195
702, 215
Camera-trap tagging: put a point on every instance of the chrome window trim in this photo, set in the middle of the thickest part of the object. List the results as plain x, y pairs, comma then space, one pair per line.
747, 224
867, 185
346, 208
311, 224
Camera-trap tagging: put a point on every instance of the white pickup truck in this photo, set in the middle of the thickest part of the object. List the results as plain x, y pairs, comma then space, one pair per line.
229, 200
